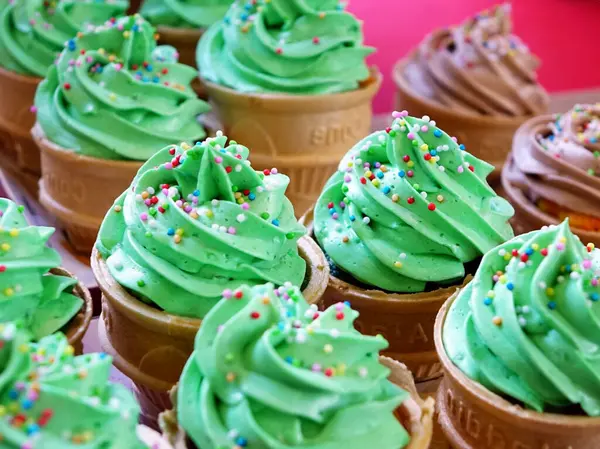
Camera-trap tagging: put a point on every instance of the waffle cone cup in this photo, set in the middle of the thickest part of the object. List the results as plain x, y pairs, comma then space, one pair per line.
415, 414
78, 326
19, 155
484, 136
303, 136
405, 319
78, 190
472, 417
151, 346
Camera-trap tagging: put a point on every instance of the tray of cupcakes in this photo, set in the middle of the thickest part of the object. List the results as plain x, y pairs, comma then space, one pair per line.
400, 310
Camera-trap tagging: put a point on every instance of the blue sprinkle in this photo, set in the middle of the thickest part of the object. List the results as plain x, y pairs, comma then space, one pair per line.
510, 286
196, 192
102, 355
135, 28
145, 79
552, 305
227, 20
331, 211
32, 429
386, 190
170, 231
156, 79
71, 45
248, 6
139, 73
241, 441
13, 394
594, 297
380, 175
288, 359
437, 133
252, 197
433, 152
281, 325
529, 251
551, 137
27, 404
275, 222
593, 140
487, 301
347, 303
99, 69
461, 147
401, 173
244, 16
352, 217
149, 67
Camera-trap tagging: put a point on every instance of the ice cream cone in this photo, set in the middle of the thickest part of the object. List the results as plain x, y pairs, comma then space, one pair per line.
303, 136
151, 347
184, 40
473, 417
415, 414
78, 326
19, 153
134, 6
528, 216
486, 137
405, 319
78, 190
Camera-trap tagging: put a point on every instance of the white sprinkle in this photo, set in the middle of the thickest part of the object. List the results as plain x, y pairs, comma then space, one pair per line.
402, 256
366, 220
215, 203
334, 333
241, 218
522, 321
363, 372
238, 168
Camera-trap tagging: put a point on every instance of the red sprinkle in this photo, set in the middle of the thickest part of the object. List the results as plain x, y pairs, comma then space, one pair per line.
410, 200
431, 206
427, 156
471, 168
406, 158
388, 130
266, 172
339, 316
255, 315
330, 205
544, 252
524, 257
363, 180
279, 51
2, 268
172, 151
316, 40
315, 316
238, 294
161, 209
328, 372
228, 169
165, 71
515, 253
246, 192
67, 86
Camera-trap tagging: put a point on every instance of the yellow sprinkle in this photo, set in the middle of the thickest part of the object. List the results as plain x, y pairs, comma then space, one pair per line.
126, 34
550, 291
376, 182
101, 51
14, 407
266, 300
497, 320
433, 160
112, 97
112, 58
88, 436
209, 213
424, 147
368, 174
395, 198
5, 247
440, 198
145, 195
241, 200
194, 215
230, 377
14, 232
410, 164
2, 410
383, 168
237, 194
328, 349
69, 350
503, 279
82, 374
341, 369
590, 247
177, 239
9, 291
24, 348
507, 256
79, 34
321, 14
185, 146
398, 264
562, 240
179, 231
535, 246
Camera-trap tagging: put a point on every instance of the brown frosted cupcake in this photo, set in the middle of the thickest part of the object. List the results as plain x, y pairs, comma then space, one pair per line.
553, 172
478, 80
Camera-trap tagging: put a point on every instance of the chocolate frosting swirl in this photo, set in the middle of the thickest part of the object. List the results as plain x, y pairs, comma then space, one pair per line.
479, 67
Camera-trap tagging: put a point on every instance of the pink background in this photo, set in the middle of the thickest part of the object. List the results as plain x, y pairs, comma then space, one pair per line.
562, 33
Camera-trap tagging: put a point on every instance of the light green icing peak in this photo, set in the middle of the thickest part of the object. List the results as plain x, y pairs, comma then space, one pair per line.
114, 94
185, 13
285, 46
51, 399
407, 207
197, 220
528, 325
27, 291
33, 32
271, 372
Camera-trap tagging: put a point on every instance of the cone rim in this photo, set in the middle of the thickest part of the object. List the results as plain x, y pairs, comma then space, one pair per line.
497, 404
17, 77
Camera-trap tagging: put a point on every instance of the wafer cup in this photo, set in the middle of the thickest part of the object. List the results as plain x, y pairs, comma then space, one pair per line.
487, 137
303, 136
75, 329
78, 190
473, 417
151, 346
415, 414
405, 319
19, 155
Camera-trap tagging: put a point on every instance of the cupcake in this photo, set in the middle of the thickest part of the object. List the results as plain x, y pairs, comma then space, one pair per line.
270, 371
33, 288
519, 346
553, 171
111, 101
32, 35
289, 78
53, 400
181, 23
404, 221
478, 79
195, 222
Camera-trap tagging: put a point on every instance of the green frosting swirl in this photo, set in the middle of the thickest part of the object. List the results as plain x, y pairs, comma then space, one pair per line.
528, 325
33, 32
52, 400
285, 46
407, 207
271, 372
27, 291
198, 220
113, 94
185, 14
